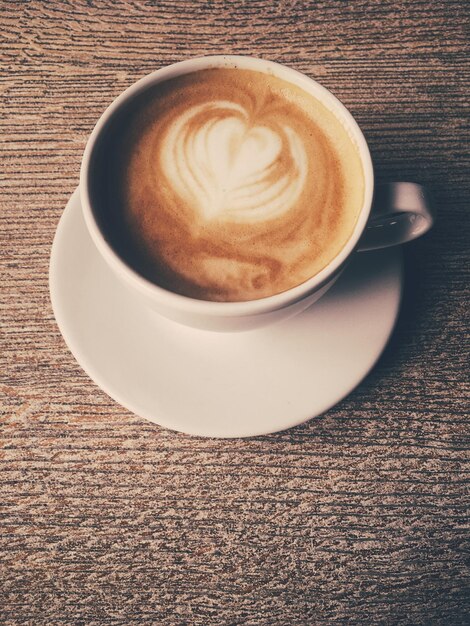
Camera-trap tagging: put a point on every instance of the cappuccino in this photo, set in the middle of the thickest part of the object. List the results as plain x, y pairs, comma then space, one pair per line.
228, 185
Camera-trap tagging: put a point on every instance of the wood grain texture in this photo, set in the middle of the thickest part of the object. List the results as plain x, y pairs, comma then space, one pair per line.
357, 517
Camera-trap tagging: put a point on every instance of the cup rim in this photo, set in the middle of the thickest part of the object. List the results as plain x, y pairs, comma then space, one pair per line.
249, 307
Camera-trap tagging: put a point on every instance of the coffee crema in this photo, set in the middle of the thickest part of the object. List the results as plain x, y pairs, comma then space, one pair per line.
230, 185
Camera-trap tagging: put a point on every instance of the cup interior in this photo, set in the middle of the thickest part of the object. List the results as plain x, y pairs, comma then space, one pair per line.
111, 242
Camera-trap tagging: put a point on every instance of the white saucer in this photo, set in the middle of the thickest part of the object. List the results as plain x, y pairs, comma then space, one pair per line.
214, 384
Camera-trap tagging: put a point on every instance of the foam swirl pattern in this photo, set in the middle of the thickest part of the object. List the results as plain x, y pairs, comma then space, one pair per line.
233, 185
229, 168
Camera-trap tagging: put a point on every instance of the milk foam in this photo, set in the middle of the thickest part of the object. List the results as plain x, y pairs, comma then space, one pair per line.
228, 168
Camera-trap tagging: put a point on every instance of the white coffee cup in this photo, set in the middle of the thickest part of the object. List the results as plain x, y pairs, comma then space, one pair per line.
391, 214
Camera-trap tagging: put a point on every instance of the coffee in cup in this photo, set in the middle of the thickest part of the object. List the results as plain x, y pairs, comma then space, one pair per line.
227, 184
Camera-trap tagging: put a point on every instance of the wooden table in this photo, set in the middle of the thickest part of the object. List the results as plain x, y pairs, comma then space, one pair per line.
357, 517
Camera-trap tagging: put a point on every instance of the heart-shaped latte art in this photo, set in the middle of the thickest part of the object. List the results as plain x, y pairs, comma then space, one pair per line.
228, 168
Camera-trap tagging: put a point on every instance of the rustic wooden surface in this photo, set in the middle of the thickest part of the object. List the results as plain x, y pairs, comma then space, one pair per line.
357, 517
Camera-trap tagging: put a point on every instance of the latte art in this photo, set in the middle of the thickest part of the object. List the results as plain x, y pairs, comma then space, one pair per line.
230, 169
230, 185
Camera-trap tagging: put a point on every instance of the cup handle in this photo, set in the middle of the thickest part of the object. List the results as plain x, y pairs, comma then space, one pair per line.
400, 212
